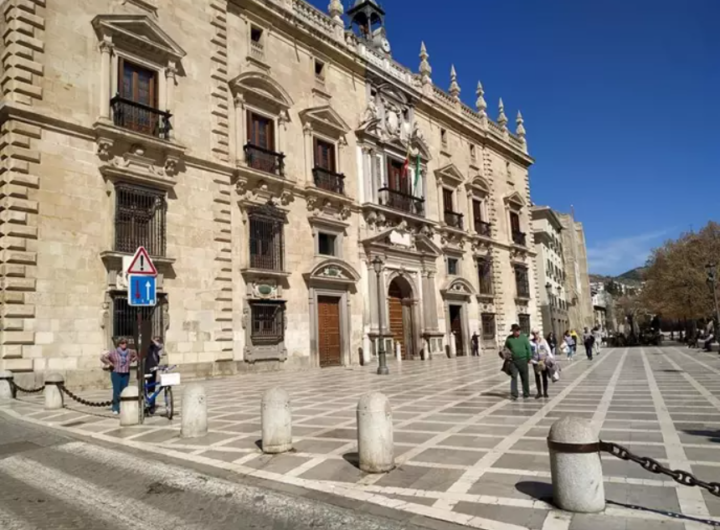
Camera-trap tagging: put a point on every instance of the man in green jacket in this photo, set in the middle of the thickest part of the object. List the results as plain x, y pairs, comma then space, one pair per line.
519, 345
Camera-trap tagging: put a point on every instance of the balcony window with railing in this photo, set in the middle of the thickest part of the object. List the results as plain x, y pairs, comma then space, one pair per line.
139, 219
481, 227
325, 175
397, 193
522, 281
259, 151
451, 217
485, 280
135, 106
266, 239
257, 43
518, 236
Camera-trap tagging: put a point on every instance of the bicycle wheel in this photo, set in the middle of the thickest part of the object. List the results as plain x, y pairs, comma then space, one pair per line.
169, 404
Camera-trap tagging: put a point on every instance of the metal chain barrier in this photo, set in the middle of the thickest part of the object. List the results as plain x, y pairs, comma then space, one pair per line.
653, 466
17, 387
85, 401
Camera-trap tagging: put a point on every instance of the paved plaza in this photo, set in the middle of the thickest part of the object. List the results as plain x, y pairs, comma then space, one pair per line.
464, 452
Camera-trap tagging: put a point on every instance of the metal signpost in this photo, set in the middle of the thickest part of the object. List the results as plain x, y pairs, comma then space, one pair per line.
142, 292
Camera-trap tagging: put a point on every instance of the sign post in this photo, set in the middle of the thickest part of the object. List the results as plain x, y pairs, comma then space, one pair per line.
142, 292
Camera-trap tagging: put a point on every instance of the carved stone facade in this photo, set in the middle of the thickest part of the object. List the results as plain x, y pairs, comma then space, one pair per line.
123, 123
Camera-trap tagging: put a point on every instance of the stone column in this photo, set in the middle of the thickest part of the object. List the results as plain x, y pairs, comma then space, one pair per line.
282, 120
309, 154
106, 47
170, 73
430, 302
470, 219
239, 101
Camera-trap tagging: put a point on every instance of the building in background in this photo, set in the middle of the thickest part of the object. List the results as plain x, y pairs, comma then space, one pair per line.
550, 264
577, 278
268, 159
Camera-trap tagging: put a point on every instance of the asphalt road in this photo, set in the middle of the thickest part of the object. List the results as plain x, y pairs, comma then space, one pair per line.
48, 481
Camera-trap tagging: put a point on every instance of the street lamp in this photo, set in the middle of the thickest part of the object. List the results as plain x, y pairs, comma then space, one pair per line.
548, 288
377, 264
711, 269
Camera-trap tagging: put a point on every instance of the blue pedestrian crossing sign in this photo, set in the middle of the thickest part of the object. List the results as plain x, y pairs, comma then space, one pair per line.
142, 290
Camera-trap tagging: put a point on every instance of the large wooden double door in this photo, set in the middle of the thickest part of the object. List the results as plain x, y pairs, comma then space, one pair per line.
400, 317
329, 335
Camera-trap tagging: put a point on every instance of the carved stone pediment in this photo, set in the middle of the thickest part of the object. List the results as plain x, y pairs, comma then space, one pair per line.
263, 188
333, 270
450, 175
261, 86
325, 117
516, 200
458, 288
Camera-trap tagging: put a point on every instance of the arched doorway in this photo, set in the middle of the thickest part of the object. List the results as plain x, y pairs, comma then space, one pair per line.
401, 317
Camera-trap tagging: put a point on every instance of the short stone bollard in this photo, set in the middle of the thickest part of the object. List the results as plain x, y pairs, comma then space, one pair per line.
375, 433
129, 406
52, 392
194, 422
276, 421
575, 466
6, 386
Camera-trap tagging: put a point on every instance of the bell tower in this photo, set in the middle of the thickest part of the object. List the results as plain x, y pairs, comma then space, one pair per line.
367, 20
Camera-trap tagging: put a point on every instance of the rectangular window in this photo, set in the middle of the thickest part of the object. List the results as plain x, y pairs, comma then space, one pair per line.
447, 200
397, 176
477, 211
136, 107
485, 282
139, 219
452, 266
524, 322
326, 244
443, 136
256, 34
260, 131
514, 222
522, 282
319, 69
267, 322
324, 155
266, 243
138, 84
472, 151
124, 320
488, 326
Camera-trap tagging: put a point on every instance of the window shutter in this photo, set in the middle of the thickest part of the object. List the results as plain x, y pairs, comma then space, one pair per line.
270, 136
249, 126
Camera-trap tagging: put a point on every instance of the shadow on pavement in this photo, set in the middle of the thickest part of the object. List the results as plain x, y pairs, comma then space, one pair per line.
673, 515
541, 491
713, 436
352, 458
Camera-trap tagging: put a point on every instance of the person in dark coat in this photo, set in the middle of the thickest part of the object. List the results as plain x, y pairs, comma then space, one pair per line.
475, 344
152, 361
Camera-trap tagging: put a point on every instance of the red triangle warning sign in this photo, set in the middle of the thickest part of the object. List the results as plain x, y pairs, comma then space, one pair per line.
142, 264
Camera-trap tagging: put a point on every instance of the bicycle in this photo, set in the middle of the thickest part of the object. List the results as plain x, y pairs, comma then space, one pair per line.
161, 385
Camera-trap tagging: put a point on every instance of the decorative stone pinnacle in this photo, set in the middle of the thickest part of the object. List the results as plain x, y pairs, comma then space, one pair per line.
335, 8
480, 103
454, 87
502, 119
520, 131
425, 68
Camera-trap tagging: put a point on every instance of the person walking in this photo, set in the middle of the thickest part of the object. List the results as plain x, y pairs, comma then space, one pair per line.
119, 361
152, 361
552, 342
588, 341
597, 339
570, 345
519, 346
542, 359
475, 344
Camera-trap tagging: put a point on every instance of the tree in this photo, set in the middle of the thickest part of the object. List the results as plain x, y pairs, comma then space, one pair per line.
676, 277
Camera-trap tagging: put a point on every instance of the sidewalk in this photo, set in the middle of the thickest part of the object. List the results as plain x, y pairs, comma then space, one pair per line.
465, 453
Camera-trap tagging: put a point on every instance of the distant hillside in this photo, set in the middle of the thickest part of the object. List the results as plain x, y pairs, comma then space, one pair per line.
631, 278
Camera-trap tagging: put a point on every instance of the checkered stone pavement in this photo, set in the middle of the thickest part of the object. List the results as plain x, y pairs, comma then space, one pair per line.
464, 452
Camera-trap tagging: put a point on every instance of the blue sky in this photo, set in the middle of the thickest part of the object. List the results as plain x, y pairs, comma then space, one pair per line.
621, 100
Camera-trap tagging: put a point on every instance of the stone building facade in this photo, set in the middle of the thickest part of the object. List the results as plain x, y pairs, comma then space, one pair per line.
266, 154
577, 278
551, 265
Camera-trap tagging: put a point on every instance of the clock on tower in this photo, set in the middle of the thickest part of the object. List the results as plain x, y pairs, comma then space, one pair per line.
367, 19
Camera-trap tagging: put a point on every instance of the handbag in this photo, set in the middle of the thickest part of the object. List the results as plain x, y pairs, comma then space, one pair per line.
540, 367
556, 376
506, 367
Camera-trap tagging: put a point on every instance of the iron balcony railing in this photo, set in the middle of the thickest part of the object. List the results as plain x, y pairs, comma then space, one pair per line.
482, 228
264, 159
453, 219
519, 238
140, 118
401, 201
329, 180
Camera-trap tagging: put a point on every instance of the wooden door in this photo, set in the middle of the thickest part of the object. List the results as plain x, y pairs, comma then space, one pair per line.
456, 328
329, 343
397, 327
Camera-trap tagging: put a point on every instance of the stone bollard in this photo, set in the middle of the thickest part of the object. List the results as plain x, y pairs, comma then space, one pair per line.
129, 406
53, 394
194, 422
398, 352
6, 386
453, 345
575, 466
276, 421
375, 433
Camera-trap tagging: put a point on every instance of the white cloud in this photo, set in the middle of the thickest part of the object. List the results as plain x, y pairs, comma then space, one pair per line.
616, 256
